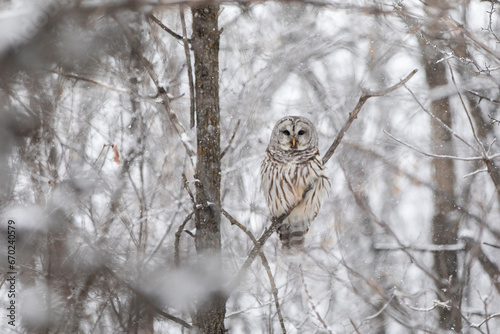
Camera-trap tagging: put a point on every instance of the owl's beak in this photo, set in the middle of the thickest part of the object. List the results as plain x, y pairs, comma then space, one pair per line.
293, 142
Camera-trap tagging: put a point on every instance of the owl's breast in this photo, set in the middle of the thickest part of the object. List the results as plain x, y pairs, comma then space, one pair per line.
284, 184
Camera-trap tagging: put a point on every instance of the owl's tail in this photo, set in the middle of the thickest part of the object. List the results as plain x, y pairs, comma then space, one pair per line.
292, 242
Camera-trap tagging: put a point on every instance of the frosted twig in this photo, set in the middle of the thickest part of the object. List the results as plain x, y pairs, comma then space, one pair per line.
496, 315
475, 172
365, 95
265, 263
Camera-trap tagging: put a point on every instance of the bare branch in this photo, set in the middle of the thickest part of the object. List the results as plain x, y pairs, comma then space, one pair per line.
80, 78
437, 119
164, 27
230, 140
424, 248
179, 128
491, 245
361, 202
265, 263
488, 266
482, 97
189, 68
178, 237
365, 95
481, 146
431, 154
275, 223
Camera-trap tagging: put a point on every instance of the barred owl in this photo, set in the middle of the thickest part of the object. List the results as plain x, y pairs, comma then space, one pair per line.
291, 166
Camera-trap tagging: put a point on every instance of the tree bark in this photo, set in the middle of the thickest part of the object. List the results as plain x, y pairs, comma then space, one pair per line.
444, 222
210, 314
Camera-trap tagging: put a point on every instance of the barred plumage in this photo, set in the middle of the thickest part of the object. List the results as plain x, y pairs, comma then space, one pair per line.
290, 166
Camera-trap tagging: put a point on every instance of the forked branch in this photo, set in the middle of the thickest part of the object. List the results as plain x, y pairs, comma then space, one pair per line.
265, 263
275, 223
365, 95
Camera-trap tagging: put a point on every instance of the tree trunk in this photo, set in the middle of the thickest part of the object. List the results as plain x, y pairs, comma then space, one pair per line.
444, 222
210, 314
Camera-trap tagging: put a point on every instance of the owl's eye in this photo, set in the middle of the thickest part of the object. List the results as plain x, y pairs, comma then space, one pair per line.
301, 132
286, 132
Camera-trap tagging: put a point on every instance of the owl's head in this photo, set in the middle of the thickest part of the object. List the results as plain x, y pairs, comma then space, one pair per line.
294, 133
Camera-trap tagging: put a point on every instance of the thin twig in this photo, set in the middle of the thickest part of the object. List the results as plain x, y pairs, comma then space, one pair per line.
365, 95
475, 173
230, 140
437, 119
80, 78
496, 315
311, 301
164, 27
361, 202
178, 238
265, 263
491, 245
482, 97
431, 154
426, 248
192, 118
354, 326
481, 146
185, 184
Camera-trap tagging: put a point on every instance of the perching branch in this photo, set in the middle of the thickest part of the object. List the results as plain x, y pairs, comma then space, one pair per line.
365, 95
265, 263
275, 223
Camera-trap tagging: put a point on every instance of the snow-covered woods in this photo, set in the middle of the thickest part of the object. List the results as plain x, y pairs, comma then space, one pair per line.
98, 167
